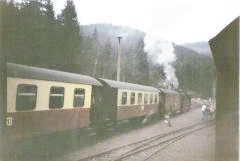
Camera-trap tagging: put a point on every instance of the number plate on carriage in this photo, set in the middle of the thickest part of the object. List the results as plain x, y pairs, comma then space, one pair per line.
9, 121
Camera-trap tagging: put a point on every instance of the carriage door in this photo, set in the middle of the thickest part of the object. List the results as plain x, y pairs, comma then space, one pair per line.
96, 105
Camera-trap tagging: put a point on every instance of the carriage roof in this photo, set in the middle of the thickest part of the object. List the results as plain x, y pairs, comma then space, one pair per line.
168, 91
29, 72
131, 86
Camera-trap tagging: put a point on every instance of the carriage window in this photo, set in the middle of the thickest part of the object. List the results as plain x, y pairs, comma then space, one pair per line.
56, 97
155, 99
139, 98
145, 98
26, 97
132, 98
124, 98
79, 96
151, 98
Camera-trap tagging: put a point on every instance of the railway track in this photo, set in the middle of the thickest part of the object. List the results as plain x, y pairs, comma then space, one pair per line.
147, 148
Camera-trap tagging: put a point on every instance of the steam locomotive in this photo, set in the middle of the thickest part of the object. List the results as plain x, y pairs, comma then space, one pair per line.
42, 101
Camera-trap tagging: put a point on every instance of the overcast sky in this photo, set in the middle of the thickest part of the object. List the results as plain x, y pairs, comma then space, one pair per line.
178, 21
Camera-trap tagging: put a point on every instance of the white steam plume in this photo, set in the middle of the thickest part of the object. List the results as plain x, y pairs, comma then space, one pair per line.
162, 52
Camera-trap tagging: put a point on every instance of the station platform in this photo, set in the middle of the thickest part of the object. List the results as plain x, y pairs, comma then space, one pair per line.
199, 146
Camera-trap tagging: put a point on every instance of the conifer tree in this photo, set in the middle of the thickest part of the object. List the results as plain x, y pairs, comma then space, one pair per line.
71, 34
96, 46
48, 8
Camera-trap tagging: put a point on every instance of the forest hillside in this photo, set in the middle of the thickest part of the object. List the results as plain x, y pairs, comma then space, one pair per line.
32, 34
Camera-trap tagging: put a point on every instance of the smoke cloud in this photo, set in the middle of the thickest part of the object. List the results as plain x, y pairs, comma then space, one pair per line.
162, 52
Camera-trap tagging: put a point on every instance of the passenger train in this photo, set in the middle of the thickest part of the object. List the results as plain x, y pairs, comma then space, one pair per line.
42, 101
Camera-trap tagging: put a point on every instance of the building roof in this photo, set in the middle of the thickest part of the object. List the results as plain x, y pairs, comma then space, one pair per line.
131, 86
29, 72
225, 47
168, 91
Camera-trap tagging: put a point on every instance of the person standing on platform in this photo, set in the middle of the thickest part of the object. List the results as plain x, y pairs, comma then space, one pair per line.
204, 112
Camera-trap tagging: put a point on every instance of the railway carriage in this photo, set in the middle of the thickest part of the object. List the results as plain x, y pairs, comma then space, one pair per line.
170, 101
127, 100
41, 101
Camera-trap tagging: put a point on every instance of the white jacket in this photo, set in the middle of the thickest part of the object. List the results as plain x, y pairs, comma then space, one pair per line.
204, 107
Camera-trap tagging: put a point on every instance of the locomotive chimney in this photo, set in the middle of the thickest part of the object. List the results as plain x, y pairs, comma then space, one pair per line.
118, 63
